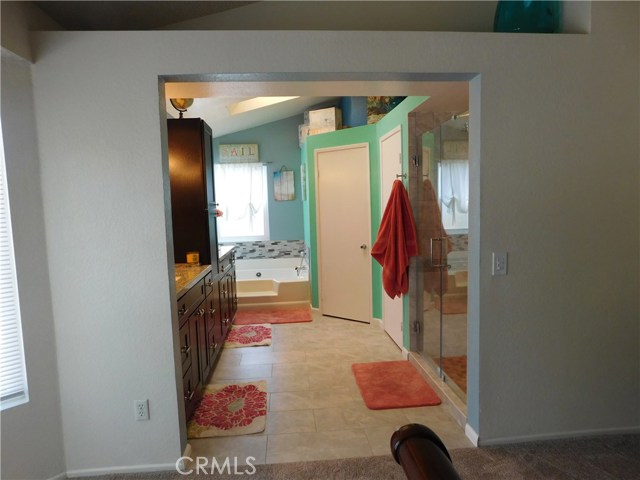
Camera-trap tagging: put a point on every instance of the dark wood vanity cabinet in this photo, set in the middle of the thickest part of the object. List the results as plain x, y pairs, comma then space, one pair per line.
193, 203
207, 302
191, 322
206, 311
228, 295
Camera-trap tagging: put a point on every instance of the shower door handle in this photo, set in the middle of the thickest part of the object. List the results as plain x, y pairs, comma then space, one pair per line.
440, 261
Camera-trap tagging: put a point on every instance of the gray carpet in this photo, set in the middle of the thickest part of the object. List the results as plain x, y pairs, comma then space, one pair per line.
599, 458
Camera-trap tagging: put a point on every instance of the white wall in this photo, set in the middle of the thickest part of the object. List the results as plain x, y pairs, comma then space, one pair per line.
31, 433
556, 339
18, 18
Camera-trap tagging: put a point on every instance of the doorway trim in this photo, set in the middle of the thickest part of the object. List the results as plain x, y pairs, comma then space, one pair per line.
338, 84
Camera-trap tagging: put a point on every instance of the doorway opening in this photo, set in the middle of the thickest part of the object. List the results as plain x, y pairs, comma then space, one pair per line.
439, 89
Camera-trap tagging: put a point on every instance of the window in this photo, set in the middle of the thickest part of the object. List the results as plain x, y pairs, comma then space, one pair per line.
13, 375
454, 195
241, 192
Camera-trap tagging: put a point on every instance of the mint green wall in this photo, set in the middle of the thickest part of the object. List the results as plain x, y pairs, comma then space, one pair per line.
366, 134
278, 144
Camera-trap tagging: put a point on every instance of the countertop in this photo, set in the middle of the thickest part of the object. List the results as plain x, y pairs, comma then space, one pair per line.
224, 250
188, 275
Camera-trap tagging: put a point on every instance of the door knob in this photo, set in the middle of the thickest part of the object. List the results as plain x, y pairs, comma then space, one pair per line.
363, 246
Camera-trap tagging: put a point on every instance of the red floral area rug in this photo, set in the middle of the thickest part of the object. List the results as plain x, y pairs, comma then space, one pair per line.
226, 410
284, 315
248, 336
394, 384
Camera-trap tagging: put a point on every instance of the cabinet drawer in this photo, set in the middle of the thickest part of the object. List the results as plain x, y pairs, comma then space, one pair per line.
208, 283
190, 300
189, 391
186, 347
225, 263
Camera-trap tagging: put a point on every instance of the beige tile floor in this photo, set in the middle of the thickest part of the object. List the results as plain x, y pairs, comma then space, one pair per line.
315, 411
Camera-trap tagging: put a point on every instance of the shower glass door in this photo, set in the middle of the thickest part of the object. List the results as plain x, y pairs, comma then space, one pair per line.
440, 186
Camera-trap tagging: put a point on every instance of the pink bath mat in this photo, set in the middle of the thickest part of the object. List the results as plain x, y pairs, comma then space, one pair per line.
395, 384
289, 315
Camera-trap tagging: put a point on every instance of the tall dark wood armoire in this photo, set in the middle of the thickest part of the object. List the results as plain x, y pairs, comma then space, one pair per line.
193, 202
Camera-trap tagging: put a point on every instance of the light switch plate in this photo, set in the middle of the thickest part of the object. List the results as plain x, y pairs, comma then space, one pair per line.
499, 264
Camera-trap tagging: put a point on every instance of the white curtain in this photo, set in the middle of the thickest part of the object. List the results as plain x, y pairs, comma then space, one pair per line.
241, 195
454, 186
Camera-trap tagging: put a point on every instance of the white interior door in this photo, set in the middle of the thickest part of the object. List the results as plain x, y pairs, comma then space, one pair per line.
390, 166
344, 231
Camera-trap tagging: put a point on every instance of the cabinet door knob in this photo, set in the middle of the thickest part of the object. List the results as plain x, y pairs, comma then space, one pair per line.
186, 349
189, 396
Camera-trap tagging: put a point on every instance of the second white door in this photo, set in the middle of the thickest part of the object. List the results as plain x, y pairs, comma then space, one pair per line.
390, 166
344, 231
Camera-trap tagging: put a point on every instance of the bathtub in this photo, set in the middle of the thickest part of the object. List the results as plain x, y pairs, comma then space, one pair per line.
458, 261
271, 282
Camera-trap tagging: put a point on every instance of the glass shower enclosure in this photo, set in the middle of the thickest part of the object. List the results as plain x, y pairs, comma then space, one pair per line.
439, 191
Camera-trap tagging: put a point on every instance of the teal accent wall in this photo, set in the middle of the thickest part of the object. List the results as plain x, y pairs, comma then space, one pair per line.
365, 134
278, 146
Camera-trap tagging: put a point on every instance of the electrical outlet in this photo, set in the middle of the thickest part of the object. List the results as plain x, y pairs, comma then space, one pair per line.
141, 409
499, 264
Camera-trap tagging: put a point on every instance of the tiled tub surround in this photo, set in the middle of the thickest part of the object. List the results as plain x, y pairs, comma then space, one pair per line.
270, 249
459, 242
315, 411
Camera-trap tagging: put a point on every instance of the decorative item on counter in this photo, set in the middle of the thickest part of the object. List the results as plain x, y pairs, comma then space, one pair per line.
528, 16
181, 104
193, 258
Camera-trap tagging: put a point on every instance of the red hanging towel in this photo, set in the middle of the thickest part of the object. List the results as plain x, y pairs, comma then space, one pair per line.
396, 242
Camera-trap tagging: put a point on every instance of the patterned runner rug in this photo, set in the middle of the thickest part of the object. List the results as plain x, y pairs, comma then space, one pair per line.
248, 336
225, 410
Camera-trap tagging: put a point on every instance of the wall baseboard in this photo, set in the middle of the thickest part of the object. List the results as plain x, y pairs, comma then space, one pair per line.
471, 434
377, 322
60, 476
558, 436
405, 353
92, 472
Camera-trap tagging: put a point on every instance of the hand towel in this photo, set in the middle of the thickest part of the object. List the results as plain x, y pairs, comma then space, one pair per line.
396, 242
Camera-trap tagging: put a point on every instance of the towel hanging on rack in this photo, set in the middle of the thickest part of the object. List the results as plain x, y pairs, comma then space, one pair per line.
396, 242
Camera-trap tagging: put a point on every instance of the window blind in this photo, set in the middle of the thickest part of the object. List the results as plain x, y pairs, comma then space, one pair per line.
13, 378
